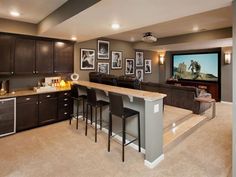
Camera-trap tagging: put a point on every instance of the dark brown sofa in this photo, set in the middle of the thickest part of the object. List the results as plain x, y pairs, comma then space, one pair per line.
179, 96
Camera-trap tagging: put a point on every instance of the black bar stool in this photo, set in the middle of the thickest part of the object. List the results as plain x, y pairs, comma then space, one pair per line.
117, 108
76, 97
93, 102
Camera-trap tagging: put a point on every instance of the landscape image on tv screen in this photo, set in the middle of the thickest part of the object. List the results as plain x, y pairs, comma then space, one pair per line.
196, 66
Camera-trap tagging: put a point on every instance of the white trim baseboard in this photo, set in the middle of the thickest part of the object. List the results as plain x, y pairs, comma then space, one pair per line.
226, 102
155, 162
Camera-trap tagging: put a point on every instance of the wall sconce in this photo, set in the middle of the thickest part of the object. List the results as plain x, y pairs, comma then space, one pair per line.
162, 59
227, 58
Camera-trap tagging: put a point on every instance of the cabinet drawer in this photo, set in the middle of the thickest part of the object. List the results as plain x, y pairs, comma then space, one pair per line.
23, 99
68, 104
64, 114
64, 94
47, 96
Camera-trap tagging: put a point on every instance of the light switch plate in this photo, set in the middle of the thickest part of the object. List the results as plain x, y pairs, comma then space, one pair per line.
156, 108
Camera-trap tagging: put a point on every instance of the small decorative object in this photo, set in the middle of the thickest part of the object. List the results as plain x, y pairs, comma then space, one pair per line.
227, 58
74, 77
62, 83
87, 58
148, 66
116, 60
129, 66
103, 68
139, 59
103, 49
139, 74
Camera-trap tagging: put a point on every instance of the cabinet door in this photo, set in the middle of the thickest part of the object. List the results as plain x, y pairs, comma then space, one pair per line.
63, 57
24, 56
44, 57
47, 111
26, 119
6, 52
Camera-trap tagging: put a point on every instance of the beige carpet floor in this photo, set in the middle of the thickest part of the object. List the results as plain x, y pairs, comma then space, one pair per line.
61, 151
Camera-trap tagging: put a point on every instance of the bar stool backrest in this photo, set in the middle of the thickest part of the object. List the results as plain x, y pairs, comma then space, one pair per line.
91, 96
74, 91
116, 104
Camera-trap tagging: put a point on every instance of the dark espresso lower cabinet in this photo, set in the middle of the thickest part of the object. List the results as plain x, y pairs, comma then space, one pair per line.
26, 112
47, 108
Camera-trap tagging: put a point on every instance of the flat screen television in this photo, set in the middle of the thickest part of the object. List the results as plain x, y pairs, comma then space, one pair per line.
197, 66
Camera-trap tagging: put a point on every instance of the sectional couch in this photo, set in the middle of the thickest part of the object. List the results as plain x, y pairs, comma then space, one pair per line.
178, 96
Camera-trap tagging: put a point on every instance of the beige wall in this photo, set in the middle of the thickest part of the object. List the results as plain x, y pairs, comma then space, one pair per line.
116, 45
11, 26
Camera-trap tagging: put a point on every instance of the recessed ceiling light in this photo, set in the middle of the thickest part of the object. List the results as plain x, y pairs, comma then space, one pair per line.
15, 13
195, 28
115, 26
73, 38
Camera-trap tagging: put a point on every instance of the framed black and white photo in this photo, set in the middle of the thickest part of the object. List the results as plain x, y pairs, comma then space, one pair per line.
103, 49
139, 59
129, 66
139, 74
87, 59
148, 66
103, 68
116, 60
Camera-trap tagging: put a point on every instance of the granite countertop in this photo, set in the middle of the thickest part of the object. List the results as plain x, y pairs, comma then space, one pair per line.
149, 96
30, 92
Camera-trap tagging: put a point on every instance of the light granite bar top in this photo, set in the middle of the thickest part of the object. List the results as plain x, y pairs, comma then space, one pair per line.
149, 96
30, 92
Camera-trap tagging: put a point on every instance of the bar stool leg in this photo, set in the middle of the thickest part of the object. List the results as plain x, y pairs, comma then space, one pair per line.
77, 115
91, 115
123, 140
86, 121
109, 132
83, 109
139, 139
95, 124
101, 118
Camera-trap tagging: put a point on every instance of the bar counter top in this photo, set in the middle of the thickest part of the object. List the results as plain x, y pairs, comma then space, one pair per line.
149, 96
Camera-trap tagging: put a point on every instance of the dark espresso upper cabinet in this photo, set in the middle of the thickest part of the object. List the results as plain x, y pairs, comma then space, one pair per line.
6, 54
24, 56
44, 57
63, 57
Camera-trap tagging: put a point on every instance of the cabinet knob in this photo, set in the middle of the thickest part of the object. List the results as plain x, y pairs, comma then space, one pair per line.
65, 105
48, 96
36, 72
65, 113
33, 72
65, 94
65, 99
27, 99
12, 72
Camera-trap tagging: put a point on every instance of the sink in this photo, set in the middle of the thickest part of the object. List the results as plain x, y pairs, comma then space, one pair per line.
44, 89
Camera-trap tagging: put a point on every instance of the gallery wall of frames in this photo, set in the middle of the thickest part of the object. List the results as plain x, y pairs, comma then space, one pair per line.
105, 60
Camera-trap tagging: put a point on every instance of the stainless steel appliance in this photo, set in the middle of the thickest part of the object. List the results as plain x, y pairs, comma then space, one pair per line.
7, 116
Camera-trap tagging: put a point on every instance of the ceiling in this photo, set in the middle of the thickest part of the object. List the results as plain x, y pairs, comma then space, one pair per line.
226, 42
215, 19
96, 21
32, 11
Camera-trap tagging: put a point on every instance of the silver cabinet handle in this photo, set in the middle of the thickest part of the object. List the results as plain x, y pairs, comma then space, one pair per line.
65, 113
65, 94
65, 99
27, 99
48, 96
65, 105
